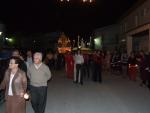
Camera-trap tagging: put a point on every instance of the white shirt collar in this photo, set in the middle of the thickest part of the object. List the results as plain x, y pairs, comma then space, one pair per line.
37, 66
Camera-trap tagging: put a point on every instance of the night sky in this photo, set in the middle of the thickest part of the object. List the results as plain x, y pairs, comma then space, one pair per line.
43, 16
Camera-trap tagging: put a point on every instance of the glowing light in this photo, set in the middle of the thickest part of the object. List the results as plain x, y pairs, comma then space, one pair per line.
9, 39
64, 44
84, 0
6, 38
123, 40
26, 96
98, 42
91, 1
0, 33
88, 43
133, 66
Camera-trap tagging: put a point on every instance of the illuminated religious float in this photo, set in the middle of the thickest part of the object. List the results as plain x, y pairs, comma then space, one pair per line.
83, 45
64, 44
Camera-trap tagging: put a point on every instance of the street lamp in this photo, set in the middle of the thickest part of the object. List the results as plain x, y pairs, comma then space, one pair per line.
98, 42
9, 39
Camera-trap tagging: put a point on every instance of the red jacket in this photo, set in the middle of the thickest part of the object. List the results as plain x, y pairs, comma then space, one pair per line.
97, 58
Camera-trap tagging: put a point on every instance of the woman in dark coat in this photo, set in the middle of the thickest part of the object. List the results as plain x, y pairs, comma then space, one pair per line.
15, 84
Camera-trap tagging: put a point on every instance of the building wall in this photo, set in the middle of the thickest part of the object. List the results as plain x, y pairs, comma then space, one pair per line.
140, 43
109, 36
139, 16
133, 24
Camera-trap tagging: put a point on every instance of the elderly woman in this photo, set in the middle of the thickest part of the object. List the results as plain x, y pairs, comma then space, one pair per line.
15, 84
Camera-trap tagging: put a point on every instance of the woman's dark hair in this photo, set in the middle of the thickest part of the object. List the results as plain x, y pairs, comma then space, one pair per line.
17, 60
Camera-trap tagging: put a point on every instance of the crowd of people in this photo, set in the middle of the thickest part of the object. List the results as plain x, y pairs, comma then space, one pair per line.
20, 74
80, 66
23, 75
91, 65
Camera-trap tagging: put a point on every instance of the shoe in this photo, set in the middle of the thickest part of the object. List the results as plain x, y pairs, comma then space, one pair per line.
81, 83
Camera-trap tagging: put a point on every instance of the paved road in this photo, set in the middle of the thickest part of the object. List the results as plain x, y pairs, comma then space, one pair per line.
114, 95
